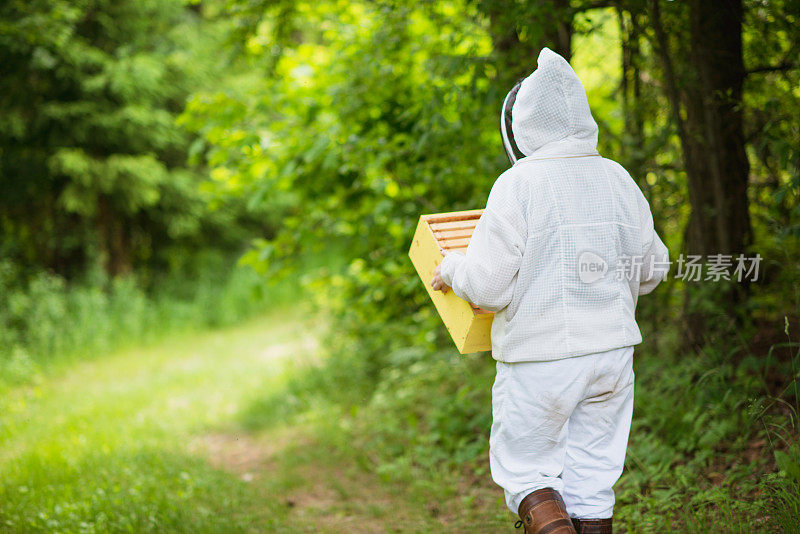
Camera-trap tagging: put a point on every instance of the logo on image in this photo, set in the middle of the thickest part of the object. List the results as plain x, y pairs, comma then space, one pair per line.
591, 267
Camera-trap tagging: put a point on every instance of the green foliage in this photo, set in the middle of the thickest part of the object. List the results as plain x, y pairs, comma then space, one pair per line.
372, 113
44, 320
144, 143
771, 35
93, 166
711, 442
433, 413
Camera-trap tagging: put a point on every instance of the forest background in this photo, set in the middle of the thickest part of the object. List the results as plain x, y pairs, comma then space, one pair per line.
170, 166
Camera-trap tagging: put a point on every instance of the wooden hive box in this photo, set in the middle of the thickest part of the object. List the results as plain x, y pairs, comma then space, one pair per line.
469, 325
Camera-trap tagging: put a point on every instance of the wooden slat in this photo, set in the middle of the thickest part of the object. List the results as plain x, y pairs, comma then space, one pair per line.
454, 239
453, 225
453, 234
453, 216
454, 243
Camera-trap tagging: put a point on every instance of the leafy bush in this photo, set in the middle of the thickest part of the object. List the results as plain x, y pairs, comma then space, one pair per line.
44, 319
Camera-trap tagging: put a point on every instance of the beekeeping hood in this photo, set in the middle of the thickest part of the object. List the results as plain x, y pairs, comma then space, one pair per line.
547, 113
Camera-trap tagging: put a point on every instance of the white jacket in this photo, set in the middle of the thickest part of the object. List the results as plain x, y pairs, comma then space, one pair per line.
559, 206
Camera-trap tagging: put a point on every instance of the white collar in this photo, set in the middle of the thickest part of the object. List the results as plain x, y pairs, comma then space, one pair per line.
569, 147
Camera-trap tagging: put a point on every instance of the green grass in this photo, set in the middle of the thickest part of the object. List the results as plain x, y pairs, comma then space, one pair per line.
156, 439
713, 443
117, 443
238, 430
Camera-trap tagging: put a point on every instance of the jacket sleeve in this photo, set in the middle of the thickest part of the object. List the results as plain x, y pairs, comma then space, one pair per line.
486, 275
655, 256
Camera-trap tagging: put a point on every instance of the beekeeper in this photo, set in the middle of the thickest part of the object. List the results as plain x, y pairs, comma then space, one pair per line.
563, 250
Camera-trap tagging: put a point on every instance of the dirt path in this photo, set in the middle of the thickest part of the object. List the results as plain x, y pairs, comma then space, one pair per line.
326, 491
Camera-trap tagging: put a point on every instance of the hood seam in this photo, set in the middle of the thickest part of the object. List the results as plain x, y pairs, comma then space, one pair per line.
578, 123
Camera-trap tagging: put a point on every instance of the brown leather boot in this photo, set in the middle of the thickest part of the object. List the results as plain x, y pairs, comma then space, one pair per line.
593, 526
544, 512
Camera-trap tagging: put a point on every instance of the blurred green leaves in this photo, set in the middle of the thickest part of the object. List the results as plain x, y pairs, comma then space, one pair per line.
93, 166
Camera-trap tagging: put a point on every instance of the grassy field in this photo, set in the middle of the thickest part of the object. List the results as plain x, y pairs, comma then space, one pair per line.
153, 439
188, 434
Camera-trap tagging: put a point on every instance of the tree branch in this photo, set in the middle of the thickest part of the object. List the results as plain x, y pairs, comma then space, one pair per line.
786, 65
662, 49
596, 4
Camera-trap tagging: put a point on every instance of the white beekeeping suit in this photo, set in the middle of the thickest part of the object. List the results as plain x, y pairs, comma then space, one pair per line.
562, 252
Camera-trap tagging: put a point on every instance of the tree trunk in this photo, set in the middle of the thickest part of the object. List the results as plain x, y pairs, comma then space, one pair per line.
630, 89
711, 134
558, 30
549, 24
113, 240
709, 90
720, 221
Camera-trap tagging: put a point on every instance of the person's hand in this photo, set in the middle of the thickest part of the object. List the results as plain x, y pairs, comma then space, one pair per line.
437, 283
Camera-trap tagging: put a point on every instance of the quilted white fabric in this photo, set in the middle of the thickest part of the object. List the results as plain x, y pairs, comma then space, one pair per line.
549, 254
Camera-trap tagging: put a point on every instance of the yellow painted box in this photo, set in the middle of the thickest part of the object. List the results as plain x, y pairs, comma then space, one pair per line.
469, 325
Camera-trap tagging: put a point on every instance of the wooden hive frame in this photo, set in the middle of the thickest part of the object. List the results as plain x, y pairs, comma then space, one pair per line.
469, 325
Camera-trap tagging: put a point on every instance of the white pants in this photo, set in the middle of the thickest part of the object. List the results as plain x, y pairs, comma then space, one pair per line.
564, 425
